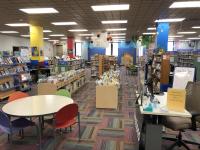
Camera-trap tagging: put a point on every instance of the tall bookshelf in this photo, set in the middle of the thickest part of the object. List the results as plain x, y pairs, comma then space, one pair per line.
185, 59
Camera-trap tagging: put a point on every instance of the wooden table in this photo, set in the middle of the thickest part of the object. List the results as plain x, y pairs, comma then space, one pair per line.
36, 106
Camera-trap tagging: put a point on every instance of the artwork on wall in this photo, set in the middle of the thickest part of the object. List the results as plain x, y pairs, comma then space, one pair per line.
35, 51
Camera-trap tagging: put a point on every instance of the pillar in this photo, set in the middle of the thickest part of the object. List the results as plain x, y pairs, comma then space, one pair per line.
162, 35
70, 47
36, 43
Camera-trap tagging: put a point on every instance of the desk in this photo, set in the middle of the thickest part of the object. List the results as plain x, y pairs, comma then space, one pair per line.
153, 138
36, 106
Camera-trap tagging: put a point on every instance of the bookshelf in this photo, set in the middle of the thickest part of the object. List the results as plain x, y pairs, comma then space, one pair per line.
185, 59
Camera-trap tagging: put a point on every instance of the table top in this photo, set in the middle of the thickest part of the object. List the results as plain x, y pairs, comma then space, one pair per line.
162, 110
39, 105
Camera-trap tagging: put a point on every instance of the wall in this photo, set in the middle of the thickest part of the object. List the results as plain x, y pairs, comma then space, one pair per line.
95, 50
7, 43
84, 52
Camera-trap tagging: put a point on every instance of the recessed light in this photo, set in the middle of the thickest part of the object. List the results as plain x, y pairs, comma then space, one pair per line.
110, 7
78, 30
118, 34
63, 38
17, 24
114, 21
57, 35
39, 10
194, 38
47, 31
8, 32
117, 29
187, 32
186, 4
64, 23
149, 33
196, 27
151, 28
174, 36
86, 34
46, 38
25, 35
170, 20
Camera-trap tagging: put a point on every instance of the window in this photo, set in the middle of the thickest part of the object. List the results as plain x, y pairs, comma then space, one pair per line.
78, 48
115, 49
170, 46
141, 50
108, 49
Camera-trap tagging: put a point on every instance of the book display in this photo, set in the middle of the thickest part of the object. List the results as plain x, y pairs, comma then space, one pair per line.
185, 58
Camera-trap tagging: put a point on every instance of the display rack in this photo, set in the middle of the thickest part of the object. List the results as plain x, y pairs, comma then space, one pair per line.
185, 59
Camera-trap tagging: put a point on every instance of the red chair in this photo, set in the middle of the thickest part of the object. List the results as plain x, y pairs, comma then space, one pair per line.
66, 117
17, 95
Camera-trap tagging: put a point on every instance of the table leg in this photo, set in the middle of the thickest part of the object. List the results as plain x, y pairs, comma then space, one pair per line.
40, 133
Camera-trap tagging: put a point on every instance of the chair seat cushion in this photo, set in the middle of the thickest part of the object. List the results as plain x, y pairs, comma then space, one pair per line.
22, 123
177, 123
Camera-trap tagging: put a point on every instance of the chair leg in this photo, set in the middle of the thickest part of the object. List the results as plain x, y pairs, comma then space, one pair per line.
79, 128
173, 145
184, 145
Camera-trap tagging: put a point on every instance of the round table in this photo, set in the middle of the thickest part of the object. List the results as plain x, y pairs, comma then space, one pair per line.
36, 106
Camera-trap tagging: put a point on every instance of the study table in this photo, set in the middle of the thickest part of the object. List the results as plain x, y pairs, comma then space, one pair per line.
36, 106
153, 137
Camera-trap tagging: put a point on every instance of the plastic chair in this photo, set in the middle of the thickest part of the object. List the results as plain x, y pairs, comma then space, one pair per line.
63, 92
14, 126
17, 95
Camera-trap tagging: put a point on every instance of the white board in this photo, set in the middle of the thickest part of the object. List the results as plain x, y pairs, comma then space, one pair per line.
182, 75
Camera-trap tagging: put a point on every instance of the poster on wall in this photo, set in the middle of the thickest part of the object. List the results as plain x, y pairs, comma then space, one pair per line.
35, 51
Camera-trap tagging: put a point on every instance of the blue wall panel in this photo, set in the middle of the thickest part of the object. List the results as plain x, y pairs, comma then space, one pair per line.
162, 36
96, 50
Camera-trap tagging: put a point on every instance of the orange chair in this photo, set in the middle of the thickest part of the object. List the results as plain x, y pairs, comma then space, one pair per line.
66, 117
17, 95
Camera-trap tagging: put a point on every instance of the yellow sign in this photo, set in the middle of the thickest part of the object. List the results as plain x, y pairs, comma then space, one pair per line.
176, 100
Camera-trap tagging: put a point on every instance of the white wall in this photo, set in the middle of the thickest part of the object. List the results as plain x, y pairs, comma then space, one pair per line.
7, 43
85, 50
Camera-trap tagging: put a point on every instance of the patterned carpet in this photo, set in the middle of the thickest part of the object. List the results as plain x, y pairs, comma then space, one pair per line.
101, 129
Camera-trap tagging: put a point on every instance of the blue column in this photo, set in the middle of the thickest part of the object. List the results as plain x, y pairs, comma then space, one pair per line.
162, 35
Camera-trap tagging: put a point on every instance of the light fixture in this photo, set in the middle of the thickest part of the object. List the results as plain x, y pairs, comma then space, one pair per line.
57, 35
110, 7
149, 33
118, 37
186, 4
170, 20
53, 40
47, 31
117, 34
39, 10
187, 32
25, 35
114, 21
8, 32
63, 38
17, 24
196, 27
184, 40
116, 29
151, 28
46, 38
86, 34
78, 30
194, 38
64, 23
175, 36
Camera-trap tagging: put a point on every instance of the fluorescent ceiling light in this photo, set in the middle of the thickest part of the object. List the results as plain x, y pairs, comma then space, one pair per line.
45, 38
110, 7
174, 36
118, 37
39, 10
25, 35
17, 24
78, 30
184, 40
151, 28
194, 38
86, 34
53, 40
57, 35
117, 29
196, 27
149, 33
8, 32
47, 31
118, 34
63, 23
170, 20
186, 4
188, 32
63, 38
114, 21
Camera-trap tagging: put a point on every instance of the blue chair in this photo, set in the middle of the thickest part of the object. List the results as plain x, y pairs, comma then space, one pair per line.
14, 126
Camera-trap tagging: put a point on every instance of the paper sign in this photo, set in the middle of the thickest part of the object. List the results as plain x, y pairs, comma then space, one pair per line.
176, 100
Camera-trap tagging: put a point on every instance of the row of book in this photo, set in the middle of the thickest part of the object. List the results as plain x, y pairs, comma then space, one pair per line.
13, 70
11, 60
